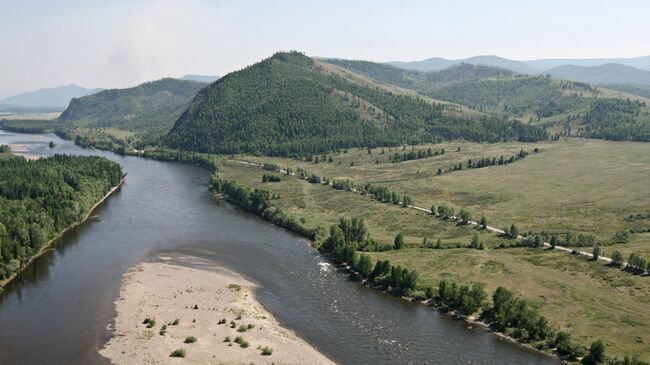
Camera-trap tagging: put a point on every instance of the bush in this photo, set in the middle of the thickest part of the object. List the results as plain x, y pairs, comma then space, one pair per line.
178, 353
150, 322
176, 321
227, 339
242, 328
190, 339
267, 351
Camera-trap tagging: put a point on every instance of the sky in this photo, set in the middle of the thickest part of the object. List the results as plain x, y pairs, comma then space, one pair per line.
120, 43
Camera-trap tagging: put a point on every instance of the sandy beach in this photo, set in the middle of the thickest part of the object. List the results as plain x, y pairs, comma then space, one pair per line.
197, 300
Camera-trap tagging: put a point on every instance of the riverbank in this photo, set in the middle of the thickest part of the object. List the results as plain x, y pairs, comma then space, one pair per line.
185, 302
49, 243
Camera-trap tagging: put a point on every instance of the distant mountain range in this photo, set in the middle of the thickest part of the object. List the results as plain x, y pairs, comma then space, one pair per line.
52, 99
437, 64
595, 70
58, 98
208, 79
611, 73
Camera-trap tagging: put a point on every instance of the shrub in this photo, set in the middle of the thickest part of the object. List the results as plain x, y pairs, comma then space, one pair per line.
190, 339
150, 322
267, 351
227, 339
178, 353
176, 321
163, 330
242, 328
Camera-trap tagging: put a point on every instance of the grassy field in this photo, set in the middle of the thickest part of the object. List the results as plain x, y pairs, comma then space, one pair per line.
586, 298
639, 244
586, 186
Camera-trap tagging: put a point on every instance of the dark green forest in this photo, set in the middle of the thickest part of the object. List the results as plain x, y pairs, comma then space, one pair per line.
41, 198
617, 119
289, 105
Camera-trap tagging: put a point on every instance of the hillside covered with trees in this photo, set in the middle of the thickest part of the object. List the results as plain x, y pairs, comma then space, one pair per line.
150, 108
484, 88
578, 108
290, 104
41, 198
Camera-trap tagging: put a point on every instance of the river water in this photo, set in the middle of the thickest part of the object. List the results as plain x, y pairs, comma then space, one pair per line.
59, 311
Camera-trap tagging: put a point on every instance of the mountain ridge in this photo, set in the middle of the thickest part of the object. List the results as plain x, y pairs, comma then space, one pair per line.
523, 66
151, 107
55, 97
290, 104
610, 73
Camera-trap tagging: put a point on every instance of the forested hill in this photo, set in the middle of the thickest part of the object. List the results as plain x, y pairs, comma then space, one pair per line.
41, 198
291, 104
149, 108
566, 107
483, 88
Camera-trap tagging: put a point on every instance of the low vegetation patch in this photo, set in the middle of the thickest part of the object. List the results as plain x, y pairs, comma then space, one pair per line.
178, 353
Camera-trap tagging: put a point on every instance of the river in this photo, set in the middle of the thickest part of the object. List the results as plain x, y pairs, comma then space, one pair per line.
60, 310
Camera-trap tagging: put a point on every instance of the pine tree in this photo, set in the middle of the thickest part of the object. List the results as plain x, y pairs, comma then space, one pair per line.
399, 241
595, 252
483, 223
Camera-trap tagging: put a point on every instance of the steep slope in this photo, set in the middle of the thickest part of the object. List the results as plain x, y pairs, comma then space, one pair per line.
292, 104
610, 73
150, 108
54, 98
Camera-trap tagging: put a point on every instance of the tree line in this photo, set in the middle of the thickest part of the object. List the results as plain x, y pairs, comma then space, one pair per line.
412, 155
259, 201
486, 162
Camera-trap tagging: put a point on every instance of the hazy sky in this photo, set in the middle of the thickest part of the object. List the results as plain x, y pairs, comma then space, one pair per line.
122, 43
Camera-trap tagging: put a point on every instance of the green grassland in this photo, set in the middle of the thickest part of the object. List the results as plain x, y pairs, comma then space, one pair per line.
586, 298
321, 205
586, 186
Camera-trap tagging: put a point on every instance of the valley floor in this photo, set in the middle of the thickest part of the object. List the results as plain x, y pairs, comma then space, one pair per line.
600, 182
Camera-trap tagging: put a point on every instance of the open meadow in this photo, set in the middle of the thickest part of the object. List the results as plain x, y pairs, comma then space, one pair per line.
583, 186
566, 288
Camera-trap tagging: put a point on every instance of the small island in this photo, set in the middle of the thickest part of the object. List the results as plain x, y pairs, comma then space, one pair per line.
207, 315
